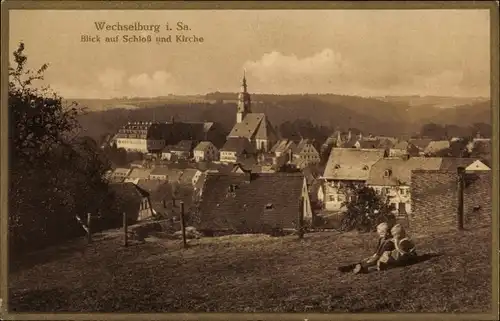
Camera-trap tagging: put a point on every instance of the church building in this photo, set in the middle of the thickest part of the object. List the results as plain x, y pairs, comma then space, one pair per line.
253, 126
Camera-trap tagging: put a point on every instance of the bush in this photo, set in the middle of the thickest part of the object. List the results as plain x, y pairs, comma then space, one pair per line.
366, 210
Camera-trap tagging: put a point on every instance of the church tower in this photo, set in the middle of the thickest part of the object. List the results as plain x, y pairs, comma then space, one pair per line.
243, 102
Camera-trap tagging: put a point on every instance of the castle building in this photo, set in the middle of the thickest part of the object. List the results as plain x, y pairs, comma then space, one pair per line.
255, 127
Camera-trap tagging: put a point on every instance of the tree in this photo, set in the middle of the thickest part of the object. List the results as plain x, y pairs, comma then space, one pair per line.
54, 174
365, 210
434, 131
484, 130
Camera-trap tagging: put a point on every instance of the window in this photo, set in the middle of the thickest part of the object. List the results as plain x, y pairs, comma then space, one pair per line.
269, 206
337, 166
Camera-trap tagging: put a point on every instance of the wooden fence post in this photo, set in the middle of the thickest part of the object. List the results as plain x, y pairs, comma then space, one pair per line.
125, 229
183, 226
89, 230
300, 221
460, 205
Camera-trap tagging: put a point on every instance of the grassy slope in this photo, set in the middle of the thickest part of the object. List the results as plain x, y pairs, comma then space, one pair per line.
237, 274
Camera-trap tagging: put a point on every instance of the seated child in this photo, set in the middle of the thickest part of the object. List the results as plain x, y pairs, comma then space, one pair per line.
403, 252
384, 245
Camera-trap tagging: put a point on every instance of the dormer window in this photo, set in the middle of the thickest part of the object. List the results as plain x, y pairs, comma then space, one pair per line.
387, 173
365, 168
337, 166
269, 206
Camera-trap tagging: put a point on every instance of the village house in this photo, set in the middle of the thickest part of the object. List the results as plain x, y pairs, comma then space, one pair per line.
367, 144
130, 199
255, 127
137, 137
305, 154
189, 177
153, 137
206, 151
404, 148
252, 203
236, 149
282, 147
391, 178
421, 144
165, 174
346, 168
436, 146
118, 175
160, 195
182, 150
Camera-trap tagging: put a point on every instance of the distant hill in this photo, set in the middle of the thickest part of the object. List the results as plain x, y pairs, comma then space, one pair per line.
383, 116
435, 101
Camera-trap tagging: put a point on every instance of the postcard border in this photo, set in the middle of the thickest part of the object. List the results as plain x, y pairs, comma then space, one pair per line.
240, 5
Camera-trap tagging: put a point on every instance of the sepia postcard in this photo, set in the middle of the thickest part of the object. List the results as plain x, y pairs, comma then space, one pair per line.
249, 160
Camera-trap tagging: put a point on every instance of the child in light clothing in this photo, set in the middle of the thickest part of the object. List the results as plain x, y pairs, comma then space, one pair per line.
403, 252
384, 245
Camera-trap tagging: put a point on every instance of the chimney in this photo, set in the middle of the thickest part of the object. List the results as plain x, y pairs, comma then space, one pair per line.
360, 136
349, 135
164, 204
173, 202
290, 155
172, 119
460, 205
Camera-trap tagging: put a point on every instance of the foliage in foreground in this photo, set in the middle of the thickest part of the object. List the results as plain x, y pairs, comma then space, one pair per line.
55, 174
365, 209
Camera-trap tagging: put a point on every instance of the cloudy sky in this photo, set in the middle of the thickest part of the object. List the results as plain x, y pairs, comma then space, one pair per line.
353, 52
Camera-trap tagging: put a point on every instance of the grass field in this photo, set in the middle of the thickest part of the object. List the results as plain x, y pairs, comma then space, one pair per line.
252, 274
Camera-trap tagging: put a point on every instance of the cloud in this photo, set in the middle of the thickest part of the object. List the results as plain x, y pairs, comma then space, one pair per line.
289, 71
111, 79
329, 71
160, 83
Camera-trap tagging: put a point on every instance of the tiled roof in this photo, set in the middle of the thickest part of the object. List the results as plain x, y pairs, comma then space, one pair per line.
182, 146
282, 146
351, 143
386, 143
120, 171
254, 124
158, 191
435, 199
369, 144
187, 176
238, 145
421, 143
436, 146
203, 146
303, 145
258, 201
173, 174
452, 163
399, 170
351, 163
139, 173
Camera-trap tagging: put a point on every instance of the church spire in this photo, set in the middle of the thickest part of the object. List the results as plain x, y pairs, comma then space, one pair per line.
244, 82
243, 101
